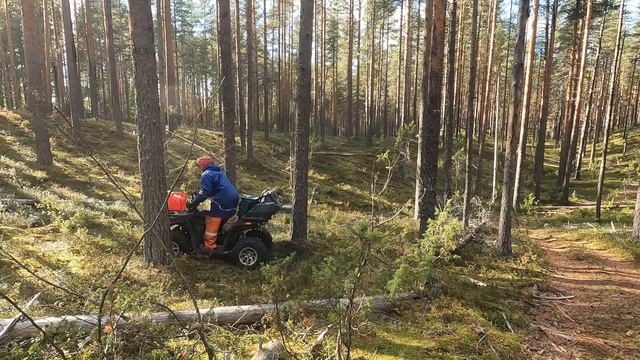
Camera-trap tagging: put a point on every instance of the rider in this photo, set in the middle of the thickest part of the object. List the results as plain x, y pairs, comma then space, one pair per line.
214, 185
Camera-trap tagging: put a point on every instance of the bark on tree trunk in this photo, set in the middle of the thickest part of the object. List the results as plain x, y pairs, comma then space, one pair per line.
114, 90
37, 94
578, 103
301, 170
170, 66
150, 133
14, 86
252, 81
449, 115
484, 108
528, 88
503, 245
91, 59
407, 66
431, 113
471, 110
349, 113
228, 88
73, 76
47, 46
587, 117
266, 76
240, 91
538, 167
609, 112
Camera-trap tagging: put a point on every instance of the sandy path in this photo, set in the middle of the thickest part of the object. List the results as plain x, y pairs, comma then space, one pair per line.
602, 321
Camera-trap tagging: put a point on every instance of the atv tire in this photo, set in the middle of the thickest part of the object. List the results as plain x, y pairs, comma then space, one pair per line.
249, 253
180, 243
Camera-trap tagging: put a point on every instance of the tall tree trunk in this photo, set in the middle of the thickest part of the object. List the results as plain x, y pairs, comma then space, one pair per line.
58, 71
91, 59
14, 85
252, 80
496, 137
225, 42
357, 107
73, 76
485, 105
114, 90
609, 111
301, 170
503, 245
604, 84
240, 80
47, 46
408, 64
567, 118
587, 117
162, 78
577, 110
37, 94
370, 87
266, 75
399, 104
526, 103
449, 114
471, 110
431, 113
538, 166
414, 101
348, 124
150, 131
170, 66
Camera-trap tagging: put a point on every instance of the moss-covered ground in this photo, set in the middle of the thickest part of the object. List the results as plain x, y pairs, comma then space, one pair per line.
81, 228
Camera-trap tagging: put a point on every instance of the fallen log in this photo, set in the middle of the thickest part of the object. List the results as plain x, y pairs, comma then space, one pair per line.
226, 315
576, 207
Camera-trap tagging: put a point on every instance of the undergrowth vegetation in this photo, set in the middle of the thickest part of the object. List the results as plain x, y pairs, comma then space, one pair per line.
71, 226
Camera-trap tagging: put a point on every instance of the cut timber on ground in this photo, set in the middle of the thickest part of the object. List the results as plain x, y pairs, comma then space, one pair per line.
236, 315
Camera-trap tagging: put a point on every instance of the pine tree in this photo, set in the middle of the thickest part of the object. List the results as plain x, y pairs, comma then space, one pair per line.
538, 167
73, 75
228, 88
37, 96
301, 169
609, 110
150, 134
503, 245
114, 90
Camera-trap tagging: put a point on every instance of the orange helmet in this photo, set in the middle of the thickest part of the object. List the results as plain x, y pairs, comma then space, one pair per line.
203, 161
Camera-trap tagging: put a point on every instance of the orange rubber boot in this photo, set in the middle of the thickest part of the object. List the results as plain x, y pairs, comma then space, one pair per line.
211, 232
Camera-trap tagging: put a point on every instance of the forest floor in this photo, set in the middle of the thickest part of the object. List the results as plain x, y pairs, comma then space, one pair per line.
592, 291
80, 229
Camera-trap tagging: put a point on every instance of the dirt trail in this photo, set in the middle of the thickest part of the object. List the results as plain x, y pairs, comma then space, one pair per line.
602, 319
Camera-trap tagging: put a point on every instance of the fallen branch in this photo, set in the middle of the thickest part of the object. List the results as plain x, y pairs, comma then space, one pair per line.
547, 297
270, 351
37, 329
16, 319
242, 314
473, 235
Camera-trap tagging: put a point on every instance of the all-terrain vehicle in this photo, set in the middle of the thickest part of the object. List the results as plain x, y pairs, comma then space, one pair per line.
247, 240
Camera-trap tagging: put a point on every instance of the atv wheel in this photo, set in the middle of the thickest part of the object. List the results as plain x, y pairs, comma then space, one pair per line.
249, 253
179, 243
